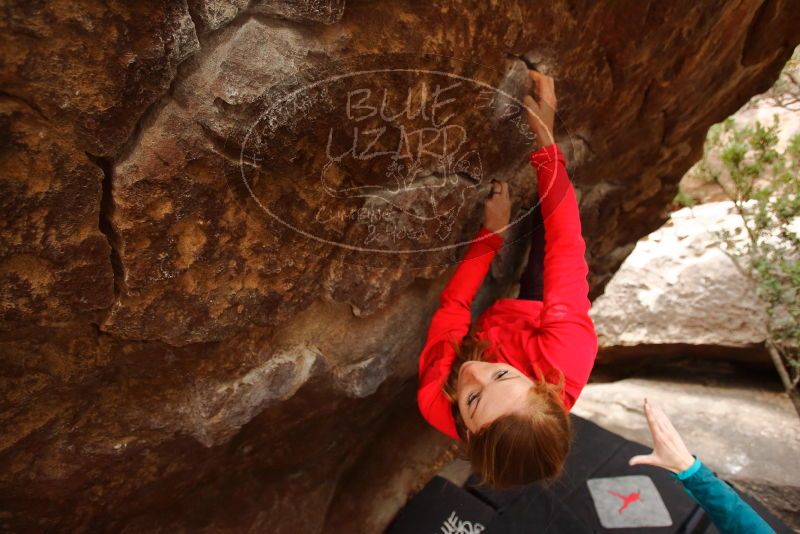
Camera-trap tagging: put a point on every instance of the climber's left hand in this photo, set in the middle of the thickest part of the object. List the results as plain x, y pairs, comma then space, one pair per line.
497, 209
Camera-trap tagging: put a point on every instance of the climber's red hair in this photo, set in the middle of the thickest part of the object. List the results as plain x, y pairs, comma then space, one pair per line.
521, 447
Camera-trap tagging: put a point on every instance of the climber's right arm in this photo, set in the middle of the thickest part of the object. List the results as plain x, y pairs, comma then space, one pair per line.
450, 323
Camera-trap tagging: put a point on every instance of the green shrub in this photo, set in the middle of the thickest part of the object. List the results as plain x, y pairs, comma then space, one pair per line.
684, 199
764, 186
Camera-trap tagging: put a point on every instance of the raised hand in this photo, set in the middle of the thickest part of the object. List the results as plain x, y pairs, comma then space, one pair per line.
669, 451
497, 209
541, 111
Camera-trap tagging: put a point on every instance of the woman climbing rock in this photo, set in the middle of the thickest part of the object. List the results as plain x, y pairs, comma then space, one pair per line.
503, 385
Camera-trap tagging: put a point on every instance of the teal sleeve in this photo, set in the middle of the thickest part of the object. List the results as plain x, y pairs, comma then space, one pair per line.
729, 513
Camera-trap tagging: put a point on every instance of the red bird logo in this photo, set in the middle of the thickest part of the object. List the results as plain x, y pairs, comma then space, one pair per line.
626, 499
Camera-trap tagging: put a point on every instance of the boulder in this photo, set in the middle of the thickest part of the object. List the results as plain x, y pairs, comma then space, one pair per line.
679, 292
213, 301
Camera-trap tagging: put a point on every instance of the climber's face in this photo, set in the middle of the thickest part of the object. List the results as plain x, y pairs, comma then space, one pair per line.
486, 391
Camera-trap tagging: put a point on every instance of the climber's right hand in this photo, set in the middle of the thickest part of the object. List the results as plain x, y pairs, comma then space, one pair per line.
541, 111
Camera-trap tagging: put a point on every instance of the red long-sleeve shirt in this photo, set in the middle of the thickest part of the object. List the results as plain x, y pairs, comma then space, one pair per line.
532, 336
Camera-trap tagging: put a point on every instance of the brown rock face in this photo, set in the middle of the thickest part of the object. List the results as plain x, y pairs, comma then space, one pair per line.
225, 225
